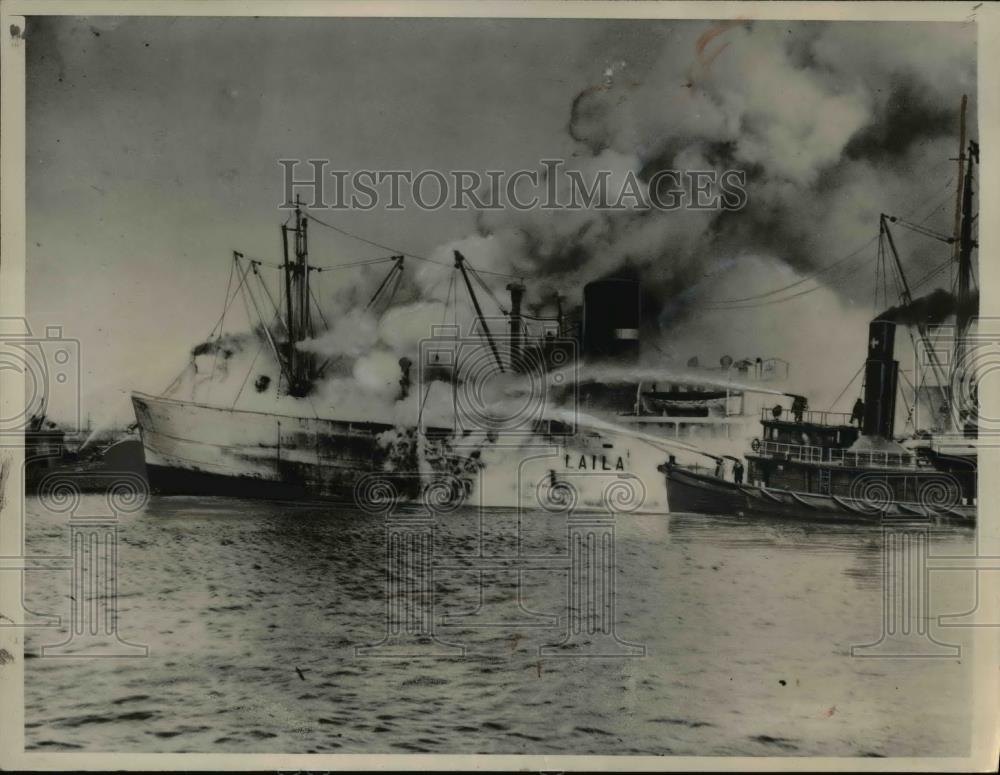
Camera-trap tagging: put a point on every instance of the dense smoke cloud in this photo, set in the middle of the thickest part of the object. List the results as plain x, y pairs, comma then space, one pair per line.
832, 123
932, 309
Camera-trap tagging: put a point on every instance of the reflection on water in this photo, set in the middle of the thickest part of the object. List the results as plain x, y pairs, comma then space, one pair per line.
253, 612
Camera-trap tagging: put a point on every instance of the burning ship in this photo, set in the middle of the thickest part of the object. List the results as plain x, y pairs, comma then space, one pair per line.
195, 446
821, 465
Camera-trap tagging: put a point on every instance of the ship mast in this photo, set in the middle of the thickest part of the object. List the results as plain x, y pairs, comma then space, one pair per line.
964, 312
301, 365
962, 257
963, 244
292, 312
460, 265
907, 296
957, 231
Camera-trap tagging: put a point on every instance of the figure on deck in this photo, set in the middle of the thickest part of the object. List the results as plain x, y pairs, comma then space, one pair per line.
858, 412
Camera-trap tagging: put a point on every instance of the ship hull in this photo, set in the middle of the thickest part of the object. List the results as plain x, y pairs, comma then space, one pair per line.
197, 449
167, 480
693, 492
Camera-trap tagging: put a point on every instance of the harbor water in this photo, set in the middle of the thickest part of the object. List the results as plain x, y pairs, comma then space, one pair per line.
266, 624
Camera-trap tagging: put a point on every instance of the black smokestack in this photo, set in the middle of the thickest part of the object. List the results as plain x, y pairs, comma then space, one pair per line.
516, 295
611, 317
880, 379
931, 309
405, 364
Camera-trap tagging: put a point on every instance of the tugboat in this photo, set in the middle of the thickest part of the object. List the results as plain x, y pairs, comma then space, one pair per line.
51, 453
44, 448
821, 465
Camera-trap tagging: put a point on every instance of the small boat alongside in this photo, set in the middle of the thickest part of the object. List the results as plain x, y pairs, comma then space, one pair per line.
854, 467
691, 491
820, 465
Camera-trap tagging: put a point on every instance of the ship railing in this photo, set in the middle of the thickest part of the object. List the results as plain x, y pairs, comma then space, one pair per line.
808, 453
808, 416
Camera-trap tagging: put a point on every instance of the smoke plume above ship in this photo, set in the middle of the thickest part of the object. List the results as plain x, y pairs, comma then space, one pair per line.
832, 124
825, 122
932, 309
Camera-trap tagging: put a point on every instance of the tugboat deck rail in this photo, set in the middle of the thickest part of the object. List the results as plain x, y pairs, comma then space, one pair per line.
806, 453
808, 417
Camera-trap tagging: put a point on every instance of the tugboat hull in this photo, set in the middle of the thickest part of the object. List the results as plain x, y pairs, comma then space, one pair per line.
693, 492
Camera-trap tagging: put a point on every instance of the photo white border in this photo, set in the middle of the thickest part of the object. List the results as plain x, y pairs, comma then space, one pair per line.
986, 650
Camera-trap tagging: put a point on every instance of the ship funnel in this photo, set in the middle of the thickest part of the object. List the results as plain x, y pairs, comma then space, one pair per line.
404, 378
516, 327
881, 374
611, 315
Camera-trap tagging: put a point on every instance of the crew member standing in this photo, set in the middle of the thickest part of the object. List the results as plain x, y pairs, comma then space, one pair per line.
858, 412
738, 472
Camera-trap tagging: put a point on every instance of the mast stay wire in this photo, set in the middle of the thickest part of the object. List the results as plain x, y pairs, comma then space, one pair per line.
270, 298
228, 303
381, 246
246, 377
222, 318
736, 303
260, 348
319, 268
486, 288
846, 388
853, 254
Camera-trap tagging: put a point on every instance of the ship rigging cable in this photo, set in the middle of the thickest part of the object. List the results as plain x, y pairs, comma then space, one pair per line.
825, 269
216, 328
738, 303
260, 348
933, 273
270, 298
902, 287
846, 387
346, 233
331, 267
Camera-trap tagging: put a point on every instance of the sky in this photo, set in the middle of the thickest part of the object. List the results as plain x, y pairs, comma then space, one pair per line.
153, 145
